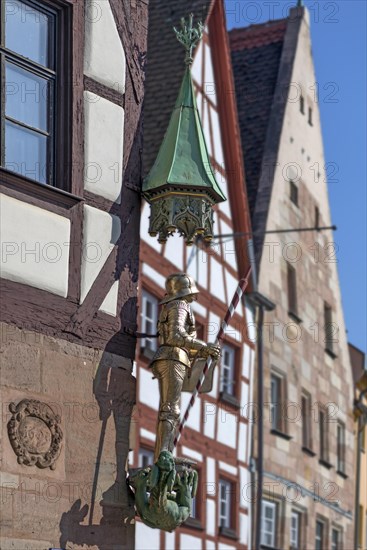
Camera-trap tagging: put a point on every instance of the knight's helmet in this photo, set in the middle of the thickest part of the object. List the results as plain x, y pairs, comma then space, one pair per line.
179, 285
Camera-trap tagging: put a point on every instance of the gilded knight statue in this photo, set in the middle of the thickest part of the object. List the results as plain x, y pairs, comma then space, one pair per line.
178, 348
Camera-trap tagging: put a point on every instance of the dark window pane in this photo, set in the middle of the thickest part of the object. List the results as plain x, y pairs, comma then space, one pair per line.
26, 97
25, 152
27, 31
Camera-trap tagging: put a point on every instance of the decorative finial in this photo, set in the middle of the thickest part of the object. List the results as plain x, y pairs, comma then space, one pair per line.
189, 36
299, 3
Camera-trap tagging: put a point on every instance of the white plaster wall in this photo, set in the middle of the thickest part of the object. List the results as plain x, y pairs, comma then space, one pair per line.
210, 474
100, 233
146, 538
109, 304
209, 545
104, 136
146, 434
242, 450
245, 488
227, 428
217, 287
144, 226
244, 523
34, 246
188, 542
228, 468
104, 57
211, 522
246, 360
170, 540
209, 418
155, 276
174, 251
148, 389
186, 451
194, 419
197, 265
217, 137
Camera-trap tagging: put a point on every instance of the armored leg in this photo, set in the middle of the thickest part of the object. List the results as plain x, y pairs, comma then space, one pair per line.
170, 376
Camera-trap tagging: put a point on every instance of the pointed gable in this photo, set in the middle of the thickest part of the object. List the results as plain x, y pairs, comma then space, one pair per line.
256, 53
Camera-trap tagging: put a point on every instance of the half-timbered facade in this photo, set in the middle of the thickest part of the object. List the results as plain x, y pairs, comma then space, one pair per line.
72, 91
308, 445
217, 433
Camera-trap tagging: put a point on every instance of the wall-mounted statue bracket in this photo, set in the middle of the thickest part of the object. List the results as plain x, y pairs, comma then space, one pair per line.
164, 491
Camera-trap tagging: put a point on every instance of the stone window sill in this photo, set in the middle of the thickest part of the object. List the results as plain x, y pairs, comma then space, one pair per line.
295, 317
325, 463
342, 474
331, 353
281, 434
194, 523
308, 451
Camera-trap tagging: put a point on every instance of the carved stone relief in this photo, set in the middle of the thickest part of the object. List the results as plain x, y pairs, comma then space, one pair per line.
35, 434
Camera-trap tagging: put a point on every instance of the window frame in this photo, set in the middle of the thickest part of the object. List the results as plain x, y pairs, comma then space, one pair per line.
274, 507
340, 447
324, 447
339, 532
306, 415
223, 389
292, 294
329, 340
323, 531
145, 296
302, 104
145, 452
60, 142
298, 514
278, 425
228, 502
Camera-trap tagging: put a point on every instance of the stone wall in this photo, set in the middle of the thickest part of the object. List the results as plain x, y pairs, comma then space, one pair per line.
45, 508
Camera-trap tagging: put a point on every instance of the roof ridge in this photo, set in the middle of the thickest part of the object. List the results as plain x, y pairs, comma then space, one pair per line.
258, 26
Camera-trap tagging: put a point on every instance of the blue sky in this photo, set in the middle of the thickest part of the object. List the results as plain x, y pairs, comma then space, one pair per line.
338, 30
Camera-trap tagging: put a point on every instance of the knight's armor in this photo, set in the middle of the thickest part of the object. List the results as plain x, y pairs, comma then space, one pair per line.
178, 346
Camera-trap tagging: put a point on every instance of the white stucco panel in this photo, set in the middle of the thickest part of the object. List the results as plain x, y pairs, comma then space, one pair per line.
104, 58
146, 538
35, 246
209, 416
244, 528
217, 280
174, 251
187, 542
170, 540
227, 428
144, 226
148, 389
194, 419
100, 233
109, 304
242, 442
104, 142
210, 518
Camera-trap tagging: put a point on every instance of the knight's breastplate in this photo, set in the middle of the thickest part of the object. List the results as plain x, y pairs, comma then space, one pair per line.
167, 351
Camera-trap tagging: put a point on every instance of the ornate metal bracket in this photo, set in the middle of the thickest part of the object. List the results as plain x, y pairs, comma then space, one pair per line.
164, 491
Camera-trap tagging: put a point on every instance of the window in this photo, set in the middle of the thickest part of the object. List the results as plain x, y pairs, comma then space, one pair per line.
149, 318
146, 457
340, 438
225, 504
35, 86
320, 535
335, 539
268, 523
295, 534
310, 116
293, 192
306, 420
302, 104
292, 290
324, 436
329, 329
228, 370
276, 396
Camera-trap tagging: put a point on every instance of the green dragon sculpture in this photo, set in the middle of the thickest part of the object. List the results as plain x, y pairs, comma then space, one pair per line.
163, 494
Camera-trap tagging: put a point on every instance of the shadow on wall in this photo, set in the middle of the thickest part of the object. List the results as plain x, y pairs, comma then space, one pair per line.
114, 390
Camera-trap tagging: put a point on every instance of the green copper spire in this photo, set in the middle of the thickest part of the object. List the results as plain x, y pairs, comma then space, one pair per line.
181, 187
183, 158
